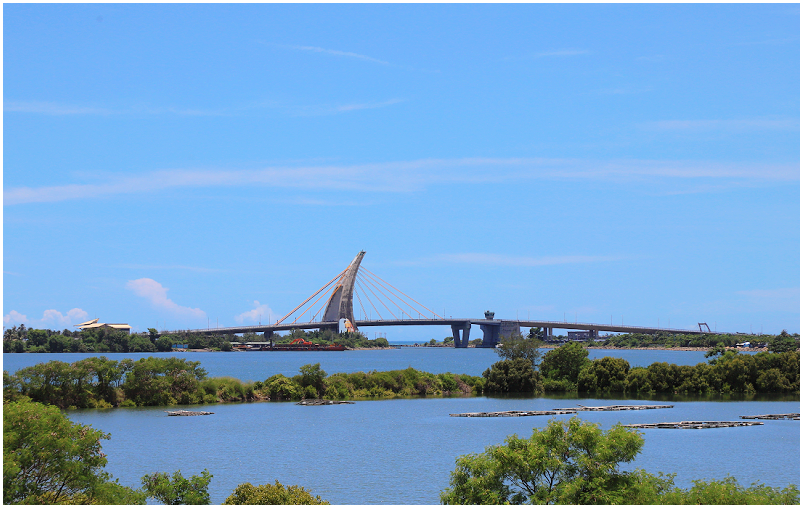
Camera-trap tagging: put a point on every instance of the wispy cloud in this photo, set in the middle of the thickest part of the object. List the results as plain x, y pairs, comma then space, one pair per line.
52, 108
505, 260
562, 52
769, 42
171, 267
57, 109
344, 108
749, 124
623, 90
782, 293
260, 312
333, 52
551, 54
408, 176
156, 294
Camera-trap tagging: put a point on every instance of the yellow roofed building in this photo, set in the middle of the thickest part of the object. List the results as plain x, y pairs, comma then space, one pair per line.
94, 323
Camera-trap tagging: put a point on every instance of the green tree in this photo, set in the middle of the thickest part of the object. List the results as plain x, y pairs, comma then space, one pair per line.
729, 492
512, 376
605, 374
568, 462
140, 343
47, 459
164, 343
312, 375
178, 490
269, 494
37, 337
517, 346
783, 343
564, 363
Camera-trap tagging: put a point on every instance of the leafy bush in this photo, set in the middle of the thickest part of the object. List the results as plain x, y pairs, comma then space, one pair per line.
269, 494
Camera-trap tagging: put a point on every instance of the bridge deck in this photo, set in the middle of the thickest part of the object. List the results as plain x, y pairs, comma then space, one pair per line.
561, 325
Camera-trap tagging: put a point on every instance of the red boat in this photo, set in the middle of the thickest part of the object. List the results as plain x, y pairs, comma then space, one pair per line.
300, 344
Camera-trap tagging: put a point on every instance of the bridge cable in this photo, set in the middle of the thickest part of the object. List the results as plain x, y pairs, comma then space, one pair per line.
381, 292
360, 303
309, 298
400, 298
369, 300
312, 305
401, 309
429, 310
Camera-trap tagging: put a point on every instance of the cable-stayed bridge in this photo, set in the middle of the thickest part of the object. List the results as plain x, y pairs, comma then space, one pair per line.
392, 307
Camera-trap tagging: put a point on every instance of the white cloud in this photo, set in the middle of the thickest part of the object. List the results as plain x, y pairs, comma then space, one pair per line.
14, 318
563, 52
261, 312
334, 52
345, 108
57, 109
52, 108
51, 319
157, 295
73, 317
504, 260
406, 176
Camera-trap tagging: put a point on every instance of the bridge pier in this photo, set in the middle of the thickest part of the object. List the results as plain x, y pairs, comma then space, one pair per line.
461, 340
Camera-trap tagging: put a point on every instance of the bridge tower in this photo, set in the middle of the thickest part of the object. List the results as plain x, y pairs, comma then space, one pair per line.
340, 304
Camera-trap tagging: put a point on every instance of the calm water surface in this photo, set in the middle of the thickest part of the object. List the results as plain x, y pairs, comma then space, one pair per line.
402, 451
257, 366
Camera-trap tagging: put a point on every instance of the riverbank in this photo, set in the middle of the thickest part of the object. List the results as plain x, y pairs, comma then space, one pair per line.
664, 348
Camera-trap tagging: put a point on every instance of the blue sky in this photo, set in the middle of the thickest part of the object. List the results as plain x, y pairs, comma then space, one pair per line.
180, 165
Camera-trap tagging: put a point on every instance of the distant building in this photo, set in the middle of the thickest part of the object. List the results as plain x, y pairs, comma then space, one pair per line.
586, 335
88, 325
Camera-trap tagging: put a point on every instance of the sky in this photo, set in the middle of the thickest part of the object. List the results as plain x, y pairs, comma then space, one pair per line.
183, 166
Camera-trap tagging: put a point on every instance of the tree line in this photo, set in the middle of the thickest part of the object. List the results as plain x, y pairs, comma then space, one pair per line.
567, 368
98, 382
775, 343
19, 339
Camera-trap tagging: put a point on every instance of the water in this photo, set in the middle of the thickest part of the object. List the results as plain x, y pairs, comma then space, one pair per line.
257, 366
402, 451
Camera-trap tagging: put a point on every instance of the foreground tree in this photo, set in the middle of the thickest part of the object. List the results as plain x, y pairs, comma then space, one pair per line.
729, 492
568, 462
47, 459
247, 493
178, 490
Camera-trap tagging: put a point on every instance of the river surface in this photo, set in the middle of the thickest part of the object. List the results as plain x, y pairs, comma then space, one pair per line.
259, 365
402, 451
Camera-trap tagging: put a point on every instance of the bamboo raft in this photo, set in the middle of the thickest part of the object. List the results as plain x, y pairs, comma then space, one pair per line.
322, 402
512, 413
690, 425
613, 408
787, 416
183, 412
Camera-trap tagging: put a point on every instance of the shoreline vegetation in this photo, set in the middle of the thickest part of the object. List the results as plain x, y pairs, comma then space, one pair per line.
98, 382
103, 340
